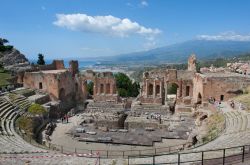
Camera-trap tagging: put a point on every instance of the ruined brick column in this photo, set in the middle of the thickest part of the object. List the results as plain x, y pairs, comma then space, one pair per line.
161, 89
94, 88
154, 89
105, 88
146, 88
166, 93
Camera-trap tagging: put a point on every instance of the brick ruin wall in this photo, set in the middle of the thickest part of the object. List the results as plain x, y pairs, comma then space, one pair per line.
218, 87
57, 85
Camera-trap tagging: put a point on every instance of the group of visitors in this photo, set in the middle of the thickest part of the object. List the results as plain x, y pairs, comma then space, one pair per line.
211, 100
155, 116
232, 104
65, 118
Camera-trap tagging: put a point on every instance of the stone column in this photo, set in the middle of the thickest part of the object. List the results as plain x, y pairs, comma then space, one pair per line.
180, 94
166, 92
105, 88
160, 89
111, 87
154, 89
146, 88
94, 89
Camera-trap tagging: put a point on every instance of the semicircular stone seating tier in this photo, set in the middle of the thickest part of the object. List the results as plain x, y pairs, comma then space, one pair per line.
236, 133
10, 141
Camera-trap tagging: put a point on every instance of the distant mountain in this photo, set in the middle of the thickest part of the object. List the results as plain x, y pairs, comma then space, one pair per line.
177, 53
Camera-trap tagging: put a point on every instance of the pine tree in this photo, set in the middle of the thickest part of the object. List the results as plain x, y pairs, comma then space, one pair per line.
40, 60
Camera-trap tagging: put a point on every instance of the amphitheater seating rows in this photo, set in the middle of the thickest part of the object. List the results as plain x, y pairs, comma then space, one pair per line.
10, 141
237, 133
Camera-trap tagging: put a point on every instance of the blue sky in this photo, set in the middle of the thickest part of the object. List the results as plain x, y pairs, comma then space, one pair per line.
87, 28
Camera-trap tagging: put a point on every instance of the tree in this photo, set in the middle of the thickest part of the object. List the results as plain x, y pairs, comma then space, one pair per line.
3, 41
40, 60
125, 86
90, 87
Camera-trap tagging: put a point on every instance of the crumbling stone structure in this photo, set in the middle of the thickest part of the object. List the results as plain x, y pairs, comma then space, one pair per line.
68, 86
104, 86
192, 87
192, 63
155, 85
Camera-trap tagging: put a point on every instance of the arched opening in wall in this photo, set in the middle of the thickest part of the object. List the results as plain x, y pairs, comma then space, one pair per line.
107, 88
40, 85
101, 88
187, 90
172, 89
157, 90
150, 89
62, 94
199, 99
90, 89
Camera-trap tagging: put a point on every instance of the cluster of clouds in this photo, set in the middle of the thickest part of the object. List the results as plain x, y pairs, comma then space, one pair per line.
107, 25
103, 24
226, 36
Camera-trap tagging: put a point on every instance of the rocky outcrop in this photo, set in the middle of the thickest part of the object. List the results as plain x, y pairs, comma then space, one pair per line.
12, 57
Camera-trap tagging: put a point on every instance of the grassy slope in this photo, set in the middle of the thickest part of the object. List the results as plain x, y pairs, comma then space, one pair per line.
3, 76
244, 99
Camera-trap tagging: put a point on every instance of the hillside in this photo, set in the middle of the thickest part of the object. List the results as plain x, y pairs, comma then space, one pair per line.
178, 53
9, 55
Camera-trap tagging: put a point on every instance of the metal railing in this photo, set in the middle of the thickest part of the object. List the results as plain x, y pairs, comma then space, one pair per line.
117, 153
223, 156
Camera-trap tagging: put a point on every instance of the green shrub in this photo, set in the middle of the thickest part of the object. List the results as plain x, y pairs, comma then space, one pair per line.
26, 124
5, 48
37, 109
125, 87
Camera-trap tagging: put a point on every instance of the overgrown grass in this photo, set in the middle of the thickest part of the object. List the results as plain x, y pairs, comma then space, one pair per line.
244, 98
37, 109
26, 124
215, 124
3, 76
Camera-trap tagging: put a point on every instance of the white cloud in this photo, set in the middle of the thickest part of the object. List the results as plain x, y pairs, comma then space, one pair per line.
226, 36
144, 3
103, 24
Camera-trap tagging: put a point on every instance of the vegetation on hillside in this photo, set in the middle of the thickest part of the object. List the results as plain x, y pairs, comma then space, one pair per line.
37, 109
125, 86
40, 60
4, 75
4, 47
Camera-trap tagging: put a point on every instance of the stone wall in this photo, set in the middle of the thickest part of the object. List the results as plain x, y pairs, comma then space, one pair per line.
58, 84
221, 87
